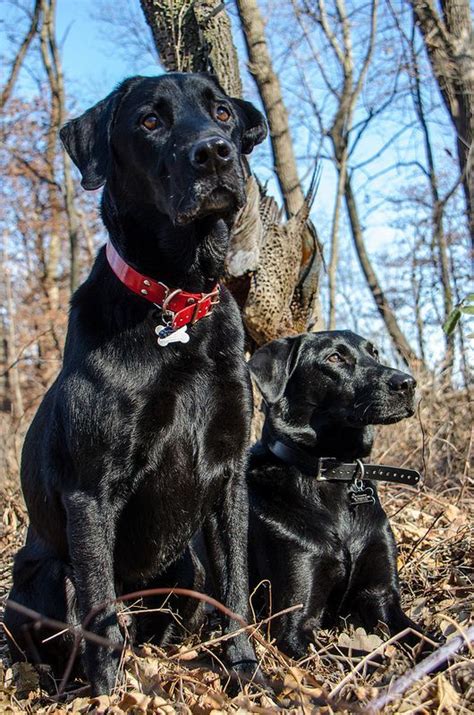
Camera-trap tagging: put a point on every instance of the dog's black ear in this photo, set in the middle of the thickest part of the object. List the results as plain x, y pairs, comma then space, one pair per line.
272, 366
87, 138
254, 123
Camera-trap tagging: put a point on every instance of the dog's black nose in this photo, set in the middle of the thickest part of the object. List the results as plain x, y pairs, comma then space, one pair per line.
210, 154
401, 382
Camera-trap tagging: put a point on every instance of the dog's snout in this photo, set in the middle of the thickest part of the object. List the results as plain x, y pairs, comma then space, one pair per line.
210, 154
400, 382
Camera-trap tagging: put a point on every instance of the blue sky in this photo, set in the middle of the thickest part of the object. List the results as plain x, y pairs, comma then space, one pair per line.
88, 60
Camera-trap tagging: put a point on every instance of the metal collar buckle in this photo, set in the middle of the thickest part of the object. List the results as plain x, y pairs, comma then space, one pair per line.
319, 473
215, 300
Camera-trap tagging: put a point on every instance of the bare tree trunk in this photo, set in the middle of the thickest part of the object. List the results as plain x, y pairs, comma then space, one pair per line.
400, 342
439, 240
337, 31
5, 350
450, 48
73, 225
416, 292
52, 260
195, 36
334, 258
5, 399
261, 68
20, 55
53, 67
14, 378
57, 78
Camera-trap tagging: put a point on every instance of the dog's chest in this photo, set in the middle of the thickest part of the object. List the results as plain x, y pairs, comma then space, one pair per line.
189, 432
321, 513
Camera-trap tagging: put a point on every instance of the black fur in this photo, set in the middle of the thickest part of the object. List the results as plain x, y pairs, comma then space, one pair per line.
136, 447
322, 393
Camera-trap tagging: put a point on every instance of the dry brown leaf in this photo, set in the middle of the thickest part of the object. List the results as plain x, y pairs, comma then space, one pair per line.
101, 703
135, 700
146, 676
359, 640
162, 706
186, 653
26, 680
447, 696
80, 705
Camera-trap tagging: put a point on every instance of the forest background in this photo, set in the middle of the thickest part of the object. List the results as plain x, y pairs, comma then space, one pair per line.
361, 219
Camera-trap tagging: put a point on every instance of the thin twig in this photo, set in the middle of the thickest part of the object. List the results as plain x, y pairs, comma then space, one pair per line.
428, 665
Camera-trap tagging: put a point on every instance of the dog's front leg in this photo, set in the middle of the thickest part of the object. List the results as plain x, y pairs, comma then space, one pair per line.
226, 533
91, 537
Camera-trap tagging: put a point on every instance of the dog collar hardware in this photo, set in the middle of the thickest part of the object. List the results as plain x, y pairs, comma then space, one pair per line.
359, 492
330, 469
179, 308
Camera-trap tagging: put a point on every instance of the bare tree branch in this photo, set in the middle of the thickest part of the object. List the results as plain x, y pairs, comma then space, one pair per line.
20, 56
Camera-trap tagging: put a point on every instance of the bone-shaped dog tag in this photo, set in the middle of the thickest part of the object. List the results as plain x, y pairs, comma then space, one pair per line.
361, 495
167, 335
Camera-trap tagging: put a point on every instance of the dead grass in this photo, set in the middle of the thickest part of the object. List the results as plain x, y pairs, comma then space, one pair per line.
435, 533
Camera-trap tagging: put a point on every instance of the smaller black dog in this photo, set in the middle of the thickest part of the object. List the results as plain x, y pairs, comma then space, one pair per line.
318, 532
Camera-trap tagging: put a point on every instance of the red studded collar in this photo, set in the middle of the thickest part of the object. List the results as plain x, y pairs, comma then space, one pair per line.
179, 307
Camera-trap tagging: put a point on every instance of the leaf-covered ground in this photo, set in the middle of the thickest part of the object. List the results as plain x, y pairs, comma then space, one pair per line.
434, 527
436, 543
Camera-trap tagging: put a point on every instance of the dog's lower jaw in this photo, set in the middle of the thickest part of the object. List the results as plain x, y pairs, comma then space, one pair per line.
218, 197
220, 206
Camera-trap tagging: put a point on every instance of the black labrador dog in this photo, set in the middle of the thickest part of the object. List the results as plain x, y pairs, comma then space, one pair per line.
318, 532
142, 439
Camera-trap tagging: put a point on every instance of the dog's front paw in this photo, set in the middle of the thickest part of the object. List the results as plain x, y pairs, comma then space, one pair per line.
294, 647
103, 683
421, 644
248, 672
244, 666
101, 664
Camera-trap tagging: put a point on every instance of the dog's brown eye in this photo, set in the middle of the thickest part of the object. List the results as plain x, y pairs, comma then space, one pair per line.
374, 352
150, 122
222, 114
335, 357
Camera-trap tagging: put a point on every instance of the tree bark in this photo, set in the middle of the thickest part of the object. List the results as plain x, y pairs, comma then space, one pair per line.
13, 374
20, 55
195, 36
53, 67
261, 68
450, 49
439, 241
383, 306
334, 257
53, 255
